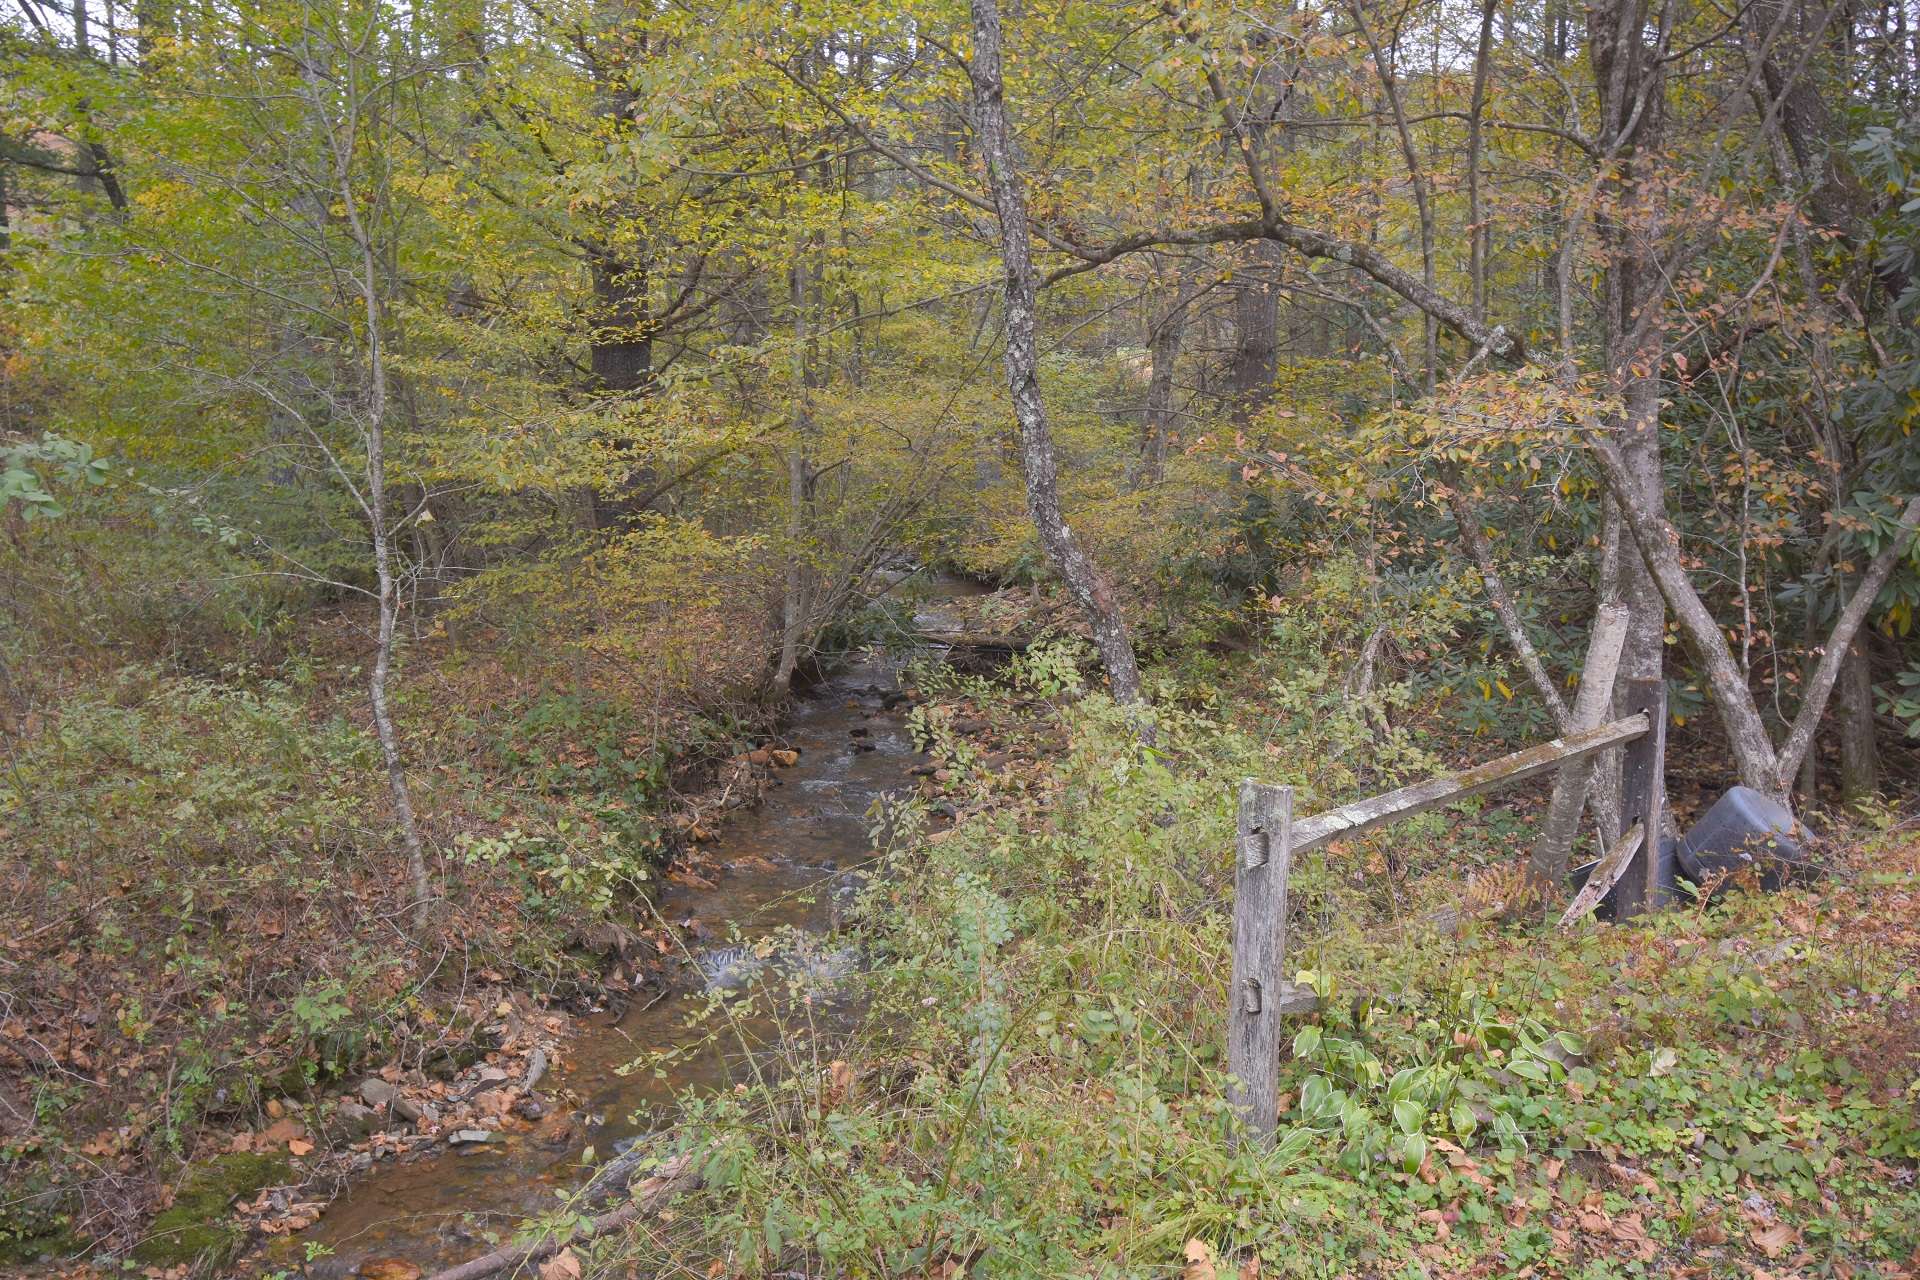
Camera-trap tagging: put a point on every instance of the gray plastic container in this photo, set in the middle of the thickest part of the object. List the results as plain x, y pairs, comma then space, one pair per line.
1744, 830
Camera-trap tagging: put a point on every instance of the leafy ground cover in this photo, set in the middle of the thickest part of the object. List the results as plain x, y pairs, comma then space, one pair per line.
205, 937
1727, 1089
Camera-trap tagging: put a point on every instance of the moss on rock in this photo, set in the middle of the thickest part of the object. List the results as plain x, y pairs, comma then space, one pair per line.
197, 1223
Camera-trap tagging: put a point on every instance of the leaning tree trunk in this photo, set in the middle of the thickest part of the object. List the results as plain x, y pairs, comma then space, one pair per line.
1076, 568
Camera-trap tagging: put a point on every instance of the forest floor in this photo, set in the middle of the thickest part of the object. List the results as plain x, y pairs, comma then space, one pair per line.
214, 1007
1728, 1088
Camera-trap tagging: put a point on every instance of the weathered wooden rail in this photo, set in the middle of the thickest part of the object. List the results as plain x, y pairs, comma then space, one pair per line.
1269, 836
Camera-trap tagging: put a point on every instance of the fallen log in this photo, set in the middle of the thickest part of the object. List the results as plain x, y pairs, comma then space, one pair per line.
978, 640
681, 1173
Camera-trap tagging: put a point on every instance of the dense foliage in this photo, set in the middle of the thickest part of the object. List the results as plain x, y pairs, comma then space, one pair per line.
436, 439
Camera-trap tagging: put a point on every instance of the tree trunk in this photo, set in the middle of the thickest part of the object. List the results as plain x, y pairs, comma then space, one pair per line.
1760, 766
620, 340
1082, 576
1629, 75
793, 610
1859, 750
1256, 327
1163, 346
372, 301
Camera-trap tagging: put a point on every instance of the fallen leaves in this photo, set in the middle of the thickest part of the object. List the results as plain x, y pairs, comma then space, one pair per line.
561, 1266
1776, 1239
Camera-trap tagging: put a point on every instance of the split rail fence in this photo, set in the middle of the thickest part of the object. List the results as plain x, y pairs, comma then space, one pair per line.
1269, 837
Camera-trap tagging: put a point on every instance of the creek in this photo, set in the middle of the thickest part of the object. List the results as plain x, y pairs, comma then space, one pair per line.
789, 865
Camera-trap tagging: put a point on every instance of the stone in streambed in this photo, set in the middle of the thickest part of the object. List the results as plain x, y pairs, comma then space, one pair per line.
355, 1119
416, 1112
376, 1092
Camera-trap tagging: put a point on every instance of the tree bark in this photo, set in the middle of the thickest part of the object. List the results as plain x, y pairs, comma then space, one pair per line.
1575, 784
1083, 578
1164, 345
1256, 327
1475, 540
372, 300
620, 337
1479, 239
793, 608
1859, 748
1629, 79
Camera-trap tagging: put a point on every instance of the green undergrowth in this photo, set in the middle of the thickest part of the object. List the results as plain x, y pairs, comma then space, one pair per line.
204, 909
1037, 1088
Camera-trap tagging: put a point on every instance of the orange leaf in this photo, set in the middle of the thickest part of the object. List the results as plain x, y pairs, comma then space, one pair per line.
299, 1147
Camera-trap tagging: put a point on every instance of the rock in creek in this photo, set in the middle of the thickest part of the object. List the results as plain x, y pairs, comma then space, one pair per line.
355, 1119
376, 1092
415, 1112
469, 1137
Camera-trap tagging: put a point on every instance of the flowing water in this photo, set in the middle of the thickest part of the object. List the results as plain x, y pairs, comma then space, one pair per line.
789, 863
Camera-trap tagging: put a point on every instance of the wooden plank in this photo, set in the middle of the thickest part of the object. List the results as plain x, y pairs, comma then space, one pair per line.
1562, 823
1376, 811
1643, 797
1263, 855
1605, 874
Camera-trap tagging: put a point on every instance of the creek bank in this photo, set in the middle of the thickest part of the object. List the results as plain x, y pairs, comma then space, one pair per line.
497, 1086
146, 1112
763, 861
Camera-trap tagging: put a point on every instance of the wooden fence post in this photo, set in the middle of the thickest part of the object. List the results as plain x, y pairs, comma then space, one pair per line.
1263, 855
1643, 797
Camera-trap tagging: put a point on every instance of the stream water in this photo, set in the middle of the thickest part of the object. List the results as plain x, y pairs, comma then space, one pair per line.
787, 862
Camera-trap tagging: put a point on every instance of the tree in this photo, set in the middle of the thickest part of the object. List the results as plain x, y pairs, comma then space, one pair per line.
1083, 579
